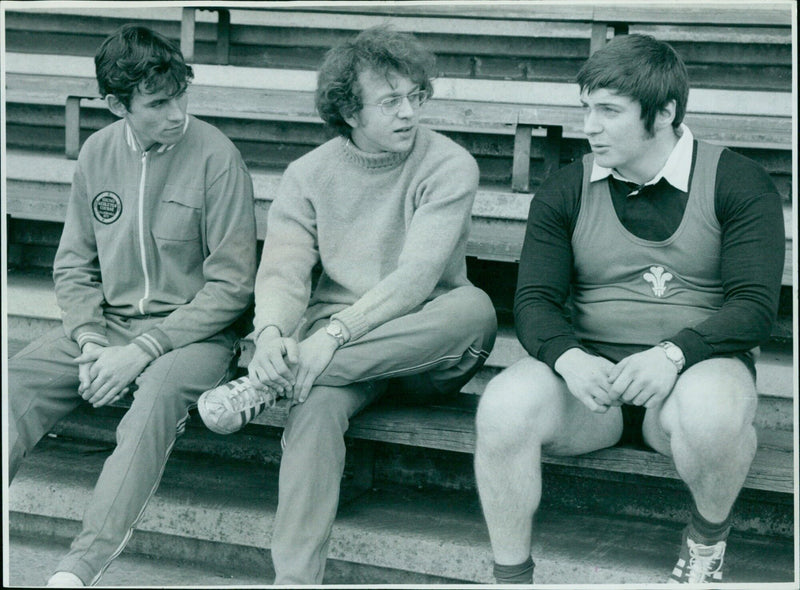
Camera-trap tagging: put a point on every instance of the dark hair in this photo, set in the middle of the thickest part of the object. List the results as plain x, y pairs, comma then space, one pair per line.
134, 55
379, 49
640, 67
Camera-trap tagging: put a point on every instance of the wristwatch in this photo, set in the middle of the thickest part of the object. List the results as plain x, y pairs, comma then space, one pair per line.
675, 354
336, 330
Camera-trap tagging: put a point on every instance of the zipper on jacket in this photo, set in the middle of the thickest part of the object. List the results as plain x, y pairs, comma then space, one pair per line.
142, 183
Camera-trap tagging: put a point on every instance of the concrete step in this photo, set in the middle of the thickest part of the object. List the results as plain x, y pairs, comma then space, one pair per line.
33, 555
217, 509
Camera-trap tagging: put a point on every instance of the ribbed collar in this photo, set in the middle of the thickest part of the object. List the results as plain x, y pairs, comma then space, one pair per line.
133, 141
372, 160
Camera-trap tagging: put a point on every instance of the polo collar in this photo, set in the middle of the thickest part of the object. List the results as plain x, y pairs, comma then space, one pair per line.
133, 141
676, 171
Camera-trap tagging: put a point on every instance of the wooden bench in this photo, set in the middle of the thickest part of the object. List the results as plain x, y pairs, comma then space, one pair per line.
450, 426
705, 36
498, 107
725, 45
521, 110
38, 188
751, 119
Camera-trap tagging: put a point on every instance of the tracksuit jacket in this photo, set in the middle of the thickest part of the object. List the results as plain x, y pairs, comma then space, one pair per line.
168, 232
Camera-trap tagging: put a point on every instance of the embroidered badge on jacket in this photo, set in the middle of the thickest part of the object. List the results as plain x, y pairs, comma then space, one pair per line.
106, 207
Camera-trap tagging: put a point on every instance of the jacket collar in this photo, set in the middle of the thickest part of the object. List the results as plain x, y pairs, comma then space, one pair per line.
133, 141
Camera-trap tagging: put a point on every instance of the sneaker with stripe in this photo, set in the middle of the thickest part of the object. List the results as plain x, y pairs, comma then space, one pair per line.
697, 563
227, 408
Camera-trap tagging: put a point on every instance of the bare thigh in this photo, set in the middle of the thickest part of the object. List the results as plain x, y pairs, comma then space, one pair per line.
710, 388
566, 426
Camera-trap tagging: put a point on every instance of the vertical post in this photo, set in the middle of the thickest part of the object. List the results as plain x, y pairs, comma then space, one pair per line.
363, 465
599, 32
552, 150
521, 167
187, 33
72, 127
223, 36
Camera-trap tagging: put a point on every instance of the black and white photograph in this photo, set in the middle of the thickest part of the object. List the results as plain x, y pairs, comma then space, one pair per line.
400, 294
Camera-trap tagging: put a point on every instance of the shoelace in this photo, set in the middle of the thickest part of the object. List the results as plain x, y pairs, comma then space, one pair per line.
246, 396
704, 560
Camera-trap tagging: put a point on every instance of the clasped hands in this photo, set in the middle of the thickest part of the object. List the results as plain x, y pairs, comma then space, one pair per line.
642, 379
105, 373
288, 367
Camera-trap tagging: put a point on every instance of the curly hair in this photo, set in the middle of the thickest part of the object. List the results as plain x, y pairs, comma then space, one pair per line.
136, 57
379, 49
642, 68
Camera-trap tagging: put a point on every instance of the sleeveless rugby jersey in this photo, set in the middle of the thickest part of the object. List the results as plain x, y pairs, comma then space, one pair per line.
635, 291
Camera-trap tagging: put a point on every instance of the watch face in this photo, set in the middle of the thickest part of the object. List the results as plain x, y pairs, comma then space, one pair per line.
336, 331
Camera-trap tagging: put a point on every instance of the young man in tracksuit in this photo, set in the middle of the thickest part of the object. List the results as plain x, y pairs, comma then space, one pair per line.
673, 251
156, 261
384, 208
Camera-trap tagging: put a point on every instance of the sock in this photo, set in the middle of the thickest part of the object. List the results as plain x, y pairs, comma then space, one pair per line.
708, 533
515, 574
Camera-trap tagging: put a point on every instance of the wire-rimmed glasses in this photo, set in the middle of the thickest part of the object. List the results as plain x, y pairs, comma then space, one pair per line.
391, 106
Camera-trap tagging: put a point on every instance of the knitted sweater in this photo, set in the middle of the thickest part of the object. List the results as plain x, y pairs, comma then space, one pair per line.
389, 230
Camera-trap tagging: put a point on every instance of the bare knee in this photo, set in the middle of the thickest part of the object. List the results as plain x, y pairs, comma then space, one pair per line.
711, 408
515, 406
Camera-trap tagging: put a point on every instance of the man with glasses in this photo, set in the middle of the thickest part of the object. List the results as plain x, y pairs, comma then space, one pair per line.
384, 210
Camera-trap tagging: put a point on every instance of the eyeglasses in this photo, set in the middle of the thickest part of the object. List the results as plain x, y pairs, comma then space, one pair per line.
391, 106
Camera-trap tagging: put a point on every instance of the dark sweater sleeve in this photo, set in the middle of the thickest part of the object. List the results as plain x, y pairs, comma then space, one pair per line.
545, 268
749, 209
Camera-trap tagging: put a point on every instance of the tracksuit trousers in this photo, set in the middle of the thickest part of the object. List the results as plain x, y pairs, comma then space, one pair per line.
43, 388
424, 355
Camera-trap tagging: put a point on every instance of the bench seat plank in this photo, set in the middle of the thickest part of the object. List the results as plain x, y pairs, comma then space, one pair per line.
723, 13
451, 428
734, 118
743, 102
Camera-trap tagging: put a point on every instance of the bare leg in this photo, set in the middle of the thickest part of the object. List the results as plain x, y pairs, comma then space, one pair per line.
706, 426
525, 409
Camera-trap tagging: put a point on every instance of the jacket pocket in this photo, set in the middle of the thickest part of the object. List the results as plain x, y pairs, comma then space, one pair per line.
179, 217
178, 238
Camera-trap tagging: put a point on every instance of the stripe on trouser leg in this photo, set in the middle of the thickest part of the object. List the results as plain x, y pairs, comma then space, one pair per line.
421, 368
179, 428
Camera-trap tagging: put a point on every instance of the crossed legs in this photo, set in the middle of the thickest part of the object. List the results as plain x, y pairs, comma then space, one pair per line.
436, 349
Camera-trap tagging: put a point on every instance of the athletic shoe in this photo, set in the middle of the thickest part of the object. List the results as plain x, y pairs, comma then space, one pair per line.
227, 408
698, 564
65, 580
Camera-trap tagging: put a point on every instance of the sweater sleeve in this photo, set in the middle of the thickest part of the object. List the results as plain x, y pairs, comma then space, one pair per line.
283, 282
749, 210
228, 268
76, 271
438, 224
545, 268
